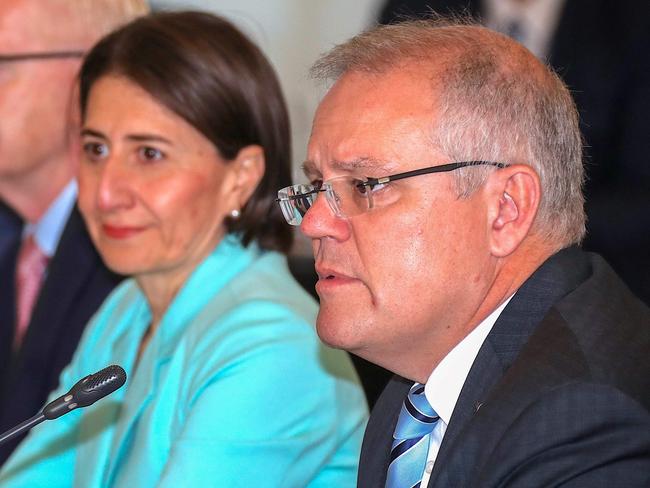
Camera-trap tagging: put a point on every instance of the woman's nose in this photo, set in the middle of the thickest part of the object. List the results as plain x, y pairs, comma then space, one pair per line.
114, 186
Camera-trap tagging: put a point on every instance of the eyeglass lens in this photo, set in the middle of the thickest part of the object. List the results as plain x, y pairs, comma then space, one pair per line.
295, 201
346, 197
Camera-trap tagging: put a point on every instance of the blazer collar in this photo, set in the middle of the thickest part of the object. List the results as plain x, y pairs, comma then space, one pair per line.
378, 438
558, 276
214, 274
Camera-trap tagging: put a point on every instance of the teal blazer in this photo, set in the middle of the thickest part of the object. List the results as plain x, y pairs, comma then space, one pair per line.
234, 389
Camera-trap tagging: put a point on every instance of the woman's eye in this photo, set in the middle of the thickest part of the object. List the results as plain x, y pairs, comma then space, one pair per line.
317, 184
150, 153
95, 151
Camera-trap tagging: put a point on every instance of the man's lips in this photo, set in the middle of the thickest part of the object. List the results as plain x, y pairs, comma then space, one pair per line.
325, 273
329, 278
120, 232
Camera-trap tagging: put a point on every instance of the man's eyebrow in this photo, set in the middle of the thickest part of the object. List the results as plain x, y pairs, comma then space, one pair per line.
309, 168
362, 163
352, 165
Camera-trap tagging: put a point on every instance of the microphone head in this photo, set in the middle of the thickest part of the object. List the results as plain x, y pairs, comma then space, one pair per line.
98, 385
87, 391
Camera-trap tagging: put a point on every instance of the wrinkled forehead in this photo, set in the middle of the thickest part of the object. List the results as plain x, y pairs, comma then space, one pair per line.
368, 120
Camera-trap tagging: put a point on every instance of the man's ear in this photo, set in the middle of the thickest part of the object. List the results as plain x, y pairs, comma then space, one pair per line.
514, 194
247, 169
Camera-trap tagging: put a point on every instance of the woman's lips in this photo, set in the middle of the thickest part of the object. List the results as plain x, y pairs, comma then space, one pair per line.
120, 232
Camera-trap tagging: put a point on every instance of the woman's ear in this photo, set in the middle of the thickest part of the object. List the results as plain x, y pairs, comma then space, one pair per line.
248, 169
514, 194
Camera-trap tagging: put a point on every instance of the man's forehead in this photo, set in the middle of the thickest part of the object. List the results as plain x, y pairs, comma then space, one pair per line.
369, 123
361, 101
32, 25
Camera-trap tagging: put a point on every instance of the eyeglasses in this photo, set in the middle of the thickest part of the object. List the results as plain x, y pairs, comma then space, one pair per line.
12, 58
348, 196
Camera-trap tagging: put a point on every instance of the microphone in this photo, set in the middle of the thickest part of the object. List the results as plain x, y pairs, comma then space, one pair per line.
84, 393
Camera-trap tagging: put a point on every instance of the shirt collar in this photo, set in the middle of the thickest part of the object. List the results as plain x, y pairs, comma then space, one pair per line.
443, 387
47, 231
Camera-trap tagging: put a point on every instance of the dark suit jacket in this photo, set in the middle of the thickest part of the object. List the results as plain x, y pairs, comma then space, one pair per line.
602, 51
9, 228
76, 284
559, 393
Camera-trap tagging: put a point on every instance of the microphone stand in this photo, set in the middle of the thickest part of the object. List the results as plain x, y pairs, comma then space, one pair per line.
84, 393
22, 427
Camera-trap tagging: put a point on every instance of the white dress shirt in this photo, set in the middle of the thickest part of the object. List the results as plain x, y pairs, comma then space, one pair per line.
443, 387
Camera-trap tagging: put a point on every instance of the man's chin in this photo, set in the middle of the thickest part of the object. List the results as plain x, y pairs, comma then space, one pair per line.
337, 331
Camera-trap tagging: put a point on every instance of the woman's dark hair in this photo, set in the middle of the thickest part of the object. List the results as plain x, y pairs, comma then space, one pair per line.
205, 70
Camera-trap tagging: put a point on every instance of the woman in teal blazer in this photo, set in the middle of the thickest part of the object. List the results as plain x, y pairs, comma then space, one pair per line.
185, 139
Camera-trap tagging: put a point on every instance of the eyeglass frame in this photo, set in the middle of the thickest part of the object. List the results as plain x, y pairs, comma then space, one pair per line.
370, 182
44, 55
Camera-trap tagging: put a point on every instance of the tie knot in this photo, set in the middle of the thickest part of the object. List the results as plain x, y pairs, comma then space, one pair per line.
418, 405
417, 417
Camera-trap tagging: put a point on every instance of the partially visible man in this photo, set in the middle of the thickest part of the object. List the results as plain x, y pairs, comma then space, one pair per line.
51, 279
445, 211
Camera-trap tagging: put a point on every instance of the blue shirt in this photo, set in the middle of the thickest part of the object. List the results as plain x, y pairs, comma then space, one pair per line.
47, 231
233, 389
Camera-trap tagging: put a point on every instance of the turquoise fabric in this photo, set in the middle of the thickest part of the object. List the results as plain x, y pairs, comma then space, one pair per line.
234, 389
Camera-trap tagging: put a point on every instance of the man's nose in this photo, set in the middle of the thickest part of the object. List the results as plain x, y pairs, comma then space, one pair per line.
321, 221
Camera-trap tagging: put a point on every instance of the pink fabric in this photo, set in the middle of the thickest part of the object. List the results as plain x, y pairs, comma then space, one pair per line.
30, 271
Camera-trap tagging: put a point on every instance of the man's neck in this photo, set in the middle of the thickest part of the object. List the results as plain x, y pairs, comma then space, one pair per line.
509, 276
31, 194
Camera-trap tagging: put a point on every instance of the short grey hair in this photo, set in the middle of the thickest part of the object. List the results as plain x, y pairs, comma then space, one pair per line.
496, 102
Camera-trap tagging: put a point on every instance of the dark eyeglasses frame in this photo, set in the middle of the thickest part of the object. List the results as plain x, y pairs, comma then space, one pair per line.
443, 168
12, 58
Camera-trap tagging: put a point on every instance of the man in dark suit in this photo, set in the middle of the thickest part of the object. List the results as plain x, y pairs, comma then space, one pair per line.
600, 49
445, 212
44, 309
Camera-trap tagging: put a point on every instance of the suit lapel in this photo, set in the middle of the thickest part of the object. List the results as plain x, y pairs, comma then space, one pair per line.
144, 385
137, 398
558, 276
7, 307
68, 272
378, 437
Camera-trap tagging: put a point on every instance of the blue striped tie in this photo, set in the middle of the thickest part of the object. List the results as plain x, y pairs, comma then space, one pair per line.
408, 454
